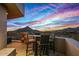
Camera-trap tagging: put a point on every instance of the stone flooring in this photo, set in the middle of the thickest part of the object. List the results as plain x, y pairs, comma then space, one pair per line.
21, 49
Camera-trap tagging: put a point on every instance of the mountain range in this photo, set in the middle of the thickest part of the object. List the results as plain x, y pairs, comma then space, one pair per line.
31, 31
26, 29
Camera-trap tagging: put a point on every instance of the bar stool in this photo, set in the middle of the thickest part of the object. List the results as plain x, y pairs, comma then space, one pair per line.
44, 45
22, 34
29, 42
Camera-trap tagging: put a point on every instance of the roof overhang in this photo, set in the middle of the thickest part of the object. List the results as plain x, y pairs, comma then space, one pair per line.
14, 10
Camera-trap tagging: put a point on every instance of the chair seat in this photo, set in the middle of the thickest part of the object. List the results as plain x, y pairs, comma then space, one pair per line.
30, 49
31, 40
29, 43
44, 44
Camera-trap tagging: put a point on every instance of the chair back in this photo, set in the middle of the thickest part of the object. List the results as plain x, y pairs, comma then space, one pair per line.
30, 37
44, 39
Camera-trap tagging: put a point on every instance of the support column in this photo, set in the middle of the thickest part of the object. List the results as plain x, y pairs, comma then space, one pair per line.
3, 35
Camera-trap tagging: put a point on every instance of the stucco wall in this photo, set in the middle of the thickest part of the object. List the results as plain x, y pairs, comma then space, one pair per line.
71, 48
67, 46
3, 17
8, 52
60, 45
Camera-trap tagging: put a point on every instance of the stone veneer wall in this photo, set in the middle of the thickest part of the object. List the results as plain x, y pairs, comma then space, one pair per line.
3, 35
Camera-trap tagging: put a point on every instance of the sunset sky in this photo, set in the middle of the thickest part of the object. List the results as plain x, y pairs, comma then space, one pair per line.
47, 17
